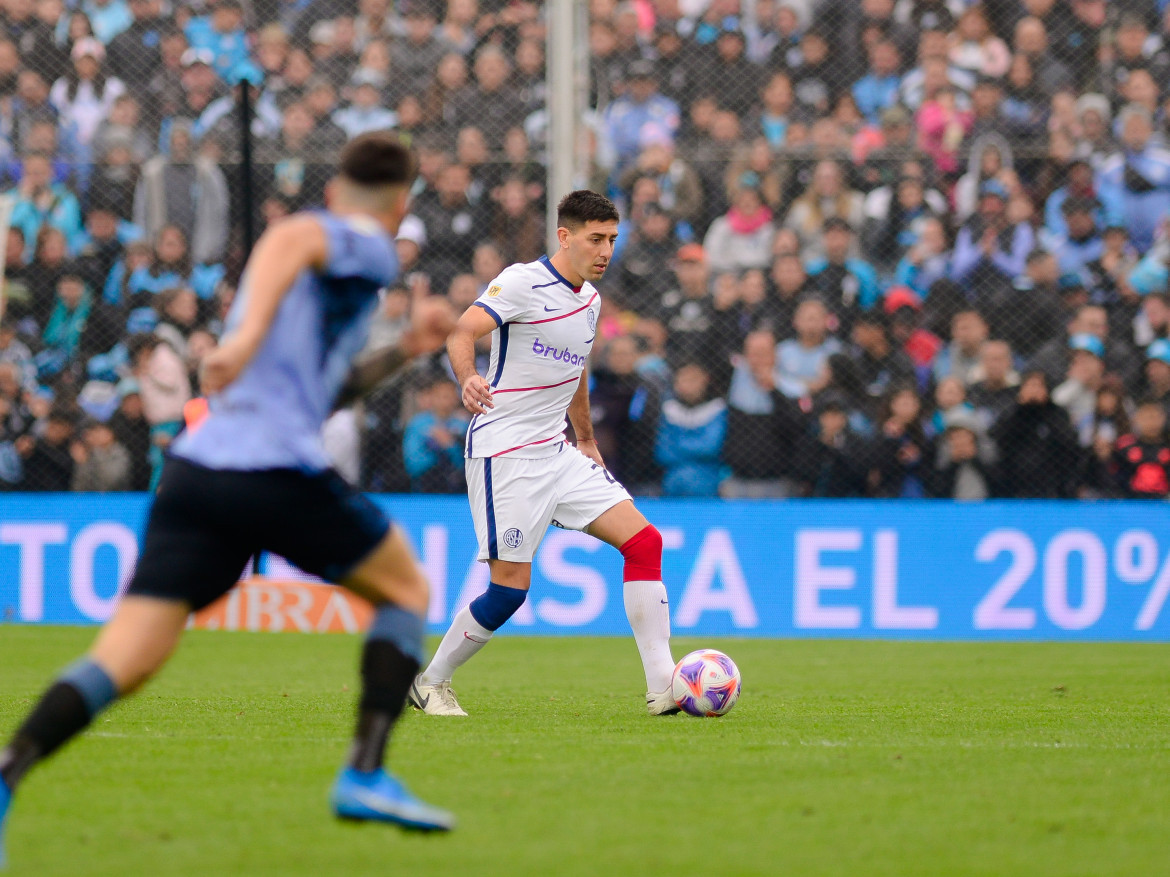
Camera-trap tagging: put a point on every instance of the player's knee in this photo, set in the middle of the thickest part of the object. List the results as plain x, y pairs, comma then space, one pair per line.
398, 581
496, 605
411, 590
643, 556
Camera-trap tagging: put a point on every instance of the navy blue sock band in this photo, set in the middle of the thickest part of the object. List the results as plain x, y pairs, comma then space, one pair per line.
94, 685
399, 626
496, 605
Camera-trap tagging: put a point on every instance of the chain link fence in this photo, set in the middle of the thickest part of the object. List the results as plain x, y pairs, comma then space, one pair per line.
884, 248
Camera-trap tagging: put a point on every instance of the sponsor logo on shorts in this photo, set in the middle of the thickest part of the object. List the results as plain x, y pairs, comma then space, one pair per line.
493, 291
561, 354
513, 538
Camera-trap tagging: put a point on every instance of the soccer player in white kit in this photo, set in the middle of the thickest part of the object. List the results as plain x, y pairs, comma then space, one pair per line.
522, 475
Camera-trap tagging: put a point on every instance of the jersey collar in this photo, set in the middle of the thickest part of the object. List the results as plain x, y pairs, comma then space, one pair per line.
547, 263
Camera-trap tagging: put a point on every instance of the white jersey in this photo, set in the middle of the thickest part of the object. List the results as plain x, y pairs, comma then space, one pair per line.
544, 331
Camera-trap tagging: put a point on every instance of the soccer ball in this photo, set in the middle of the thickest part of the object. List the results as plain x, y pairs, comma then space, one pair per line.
705, 683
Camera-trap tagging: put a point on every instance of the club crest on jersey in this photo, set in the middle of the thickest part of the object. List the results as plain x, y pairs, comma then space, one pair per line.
513, 538
591, 318
494, 291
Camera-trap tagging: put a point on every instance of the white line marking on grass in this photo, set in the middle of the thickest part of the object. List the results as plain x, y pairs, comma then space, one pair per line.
812, 744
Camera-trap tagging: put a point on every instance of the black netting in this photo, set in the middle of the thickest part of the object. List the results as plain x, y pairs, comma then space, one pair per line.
870, 248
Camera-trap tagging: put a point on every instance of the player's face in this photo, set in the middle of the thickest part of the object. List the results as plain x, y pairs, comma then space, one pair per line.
591, 248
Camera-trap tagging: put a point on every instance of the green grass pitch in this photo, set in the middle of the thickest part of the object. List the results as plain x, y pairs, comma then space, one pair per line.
857, 758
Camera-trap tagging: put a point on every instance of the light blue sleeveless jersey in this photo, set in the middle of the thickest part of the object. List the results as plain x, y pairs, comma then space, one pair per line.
271, 416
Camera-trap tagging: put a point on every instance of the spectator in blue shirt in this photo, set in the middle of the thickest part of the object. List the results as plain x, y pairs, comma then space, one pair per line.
802, 363
691, 428
1080, 183
62, 335
170, 267
432, 445
990, 246
1140, 175
365, 111
639, 106
221, 32
1081, 243
927, 261
108, 18
878, 89
40, 202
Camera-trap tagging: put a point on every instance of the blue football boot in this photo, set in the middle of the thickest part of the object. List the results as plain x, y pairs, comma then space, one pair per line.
379, 796
5, 801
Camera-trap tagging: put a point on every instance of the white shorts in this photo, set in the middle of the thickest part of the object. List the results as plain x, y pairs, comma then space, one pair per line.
514, 500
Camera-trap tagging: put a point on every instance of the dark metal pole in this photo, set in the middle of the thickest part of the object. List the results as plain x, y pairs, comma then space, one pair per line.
249, 207
246, 165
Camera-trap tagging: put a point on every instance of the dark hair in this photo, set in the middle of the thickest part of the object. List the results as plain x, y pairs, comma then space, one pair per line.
432, 378
582, 206
142, 341
73, 82
377, 158
846, 377
969, 310
873, 317
64, 413
1036, 374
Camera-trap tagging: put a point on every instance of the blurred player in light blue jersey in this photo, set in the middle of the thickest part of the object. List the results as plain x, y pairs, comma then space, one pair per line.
252, 476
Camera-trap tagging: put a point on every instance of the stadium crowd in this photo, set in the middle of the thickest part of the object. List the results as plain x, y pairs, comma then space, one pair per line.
891, 248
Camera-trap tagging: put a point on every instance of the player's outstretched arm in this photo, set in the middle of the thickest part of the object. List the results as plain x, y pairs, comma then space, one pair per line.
473, 325
282, 252
431, 321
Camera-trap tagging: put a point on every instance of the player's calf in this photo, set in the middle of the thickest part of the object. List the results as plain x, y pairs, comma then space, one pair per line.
390, 658
648, 611
64, 710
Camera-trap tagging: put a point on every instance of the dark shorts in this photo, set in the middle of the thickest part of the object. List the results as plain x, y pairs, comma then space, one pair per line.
205, 524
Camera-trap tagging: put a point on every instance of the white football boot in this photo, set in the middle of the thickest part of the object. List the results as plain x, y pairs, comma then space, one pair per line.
435, 700
661, 703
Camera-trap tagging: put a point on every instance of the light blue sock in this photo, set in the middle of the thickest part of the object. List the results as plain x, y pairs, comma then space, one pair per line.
403, 628
94, 685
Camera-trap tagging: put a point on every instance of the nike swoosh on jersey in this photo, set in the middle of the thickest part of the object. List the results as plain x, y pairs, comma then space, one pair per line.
551, 310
